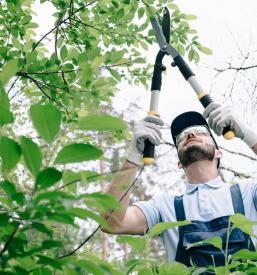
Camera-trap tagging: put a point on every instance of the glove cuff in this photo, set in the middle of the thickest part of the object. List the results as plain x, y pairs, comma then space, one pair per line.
134, 157
250, 137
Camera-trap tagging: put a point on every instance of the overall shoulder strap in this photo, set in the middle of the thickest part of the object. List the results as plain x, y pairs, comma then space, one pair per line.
179, 208
237, 199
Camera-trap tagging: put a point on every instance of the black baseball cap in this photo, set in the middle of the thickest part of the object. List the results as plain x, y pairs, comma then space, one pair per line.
186, 120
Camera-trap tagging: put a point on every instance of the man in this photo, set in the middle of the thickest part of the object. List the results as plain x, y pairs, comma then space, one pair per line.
208, 202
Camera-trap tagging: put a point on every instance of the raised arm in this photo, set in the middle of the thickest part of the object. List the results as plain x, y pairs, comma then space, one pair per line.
131, 220
220, 116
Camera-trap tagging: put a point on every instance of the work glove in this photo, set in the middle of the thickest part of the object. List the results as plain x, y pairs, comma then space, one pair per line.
147, 128
221, 116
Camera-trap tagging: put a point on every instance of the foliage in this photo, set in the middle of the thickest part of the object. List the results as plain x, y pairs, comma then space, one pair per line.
66, 88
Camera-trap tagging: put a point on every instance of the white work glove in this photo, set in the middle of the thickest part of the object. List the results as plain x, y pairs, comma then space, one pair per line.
221, 116
148, 128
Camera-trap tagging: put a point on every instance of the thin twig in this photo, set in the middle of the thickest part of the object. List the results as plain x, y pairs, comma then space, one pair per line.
52, 72
237, 153
106, 218
9, 240
61, 22
14, 82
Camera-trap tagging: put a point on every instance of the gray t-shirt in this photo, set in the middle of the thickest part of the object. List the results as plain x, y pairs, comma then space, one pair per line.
202, 202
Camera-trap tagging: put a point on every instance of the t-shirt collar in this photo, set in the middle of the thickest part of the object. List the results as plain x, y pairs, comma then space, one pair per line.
215, 183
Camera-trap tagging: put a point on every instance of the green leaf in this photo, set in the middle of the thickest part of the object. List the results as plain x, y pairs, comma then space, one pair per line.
32, 155
140, 12
205, 50
101, 122
144, 45
84, 214
181, 49
138, 243
241, 222
97, 62
49, 261
62, 217
115, 74
190, 17
174, 268
91, 267
9, 188
26, 262
42, 228
191, 54
63, 52
48, 177
131, 264
215, 241
173, 6
116, 56
48, 244
19, 198
11, 192
101, 201
5, 115
47, 120
162, 226
10, 152
70, 176
120, 14
78, 152
32, 25
9, 70
54, 195
4, 218
245, 254
42, 271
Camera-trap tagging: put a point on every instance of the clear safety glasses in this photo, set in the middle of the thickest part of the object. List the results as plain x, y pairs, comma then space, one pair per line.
196, 130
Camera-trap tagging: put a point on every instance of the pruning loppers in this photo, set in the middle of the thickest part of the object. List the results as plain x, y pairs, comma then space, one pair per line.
163, 37
148, 155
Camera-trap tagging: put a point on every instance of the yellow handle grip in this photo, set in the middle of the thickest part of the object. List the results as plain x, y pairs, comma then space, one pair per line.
229, 135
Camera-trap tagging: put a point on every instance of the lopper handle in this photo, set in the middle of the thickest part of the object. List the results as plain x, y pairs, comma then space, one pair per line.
148, 155
204, 98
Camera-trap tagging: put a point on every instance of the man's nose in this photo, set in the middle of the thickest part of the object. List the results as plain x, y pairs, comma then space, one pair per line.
190, 134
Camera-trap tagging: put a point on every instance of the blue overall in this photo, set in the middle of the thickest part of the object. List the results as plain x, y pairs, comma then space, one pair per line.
205, 255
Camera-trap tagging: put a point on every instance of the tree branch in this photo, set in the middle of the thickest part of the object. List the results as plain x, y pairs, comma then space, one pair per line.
9, 240
235, 68
14, 82
61, 22
237, 153
236, 174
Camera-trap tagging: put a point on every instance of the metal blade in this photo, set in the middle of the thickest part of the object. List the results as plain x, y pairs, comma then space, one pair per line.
166, 24
158, 33
164, 46
171, 51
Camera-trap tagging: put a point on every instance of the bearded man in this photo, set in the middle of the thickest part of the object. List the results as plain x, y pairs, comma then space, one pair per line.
208, 202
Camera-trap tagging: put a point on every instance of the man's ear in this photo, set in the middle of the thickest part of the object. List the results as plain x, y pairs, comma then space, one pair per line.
179, 165
219, 154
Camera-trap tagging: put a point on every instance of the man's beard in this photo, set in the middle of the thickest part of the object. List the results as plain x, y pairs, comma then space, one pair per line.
195, 153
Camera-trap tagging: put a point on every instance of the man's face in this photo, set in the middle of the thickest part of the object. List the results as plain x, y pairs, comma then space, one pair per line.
194, 144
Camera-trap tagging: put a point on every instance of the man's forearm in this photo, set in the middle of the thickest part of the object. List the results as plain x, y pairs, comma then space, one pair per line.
119, 187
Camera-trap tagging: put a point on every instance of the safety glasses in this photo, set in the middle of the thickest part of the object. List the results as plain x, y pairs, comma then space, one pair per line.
196, 130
